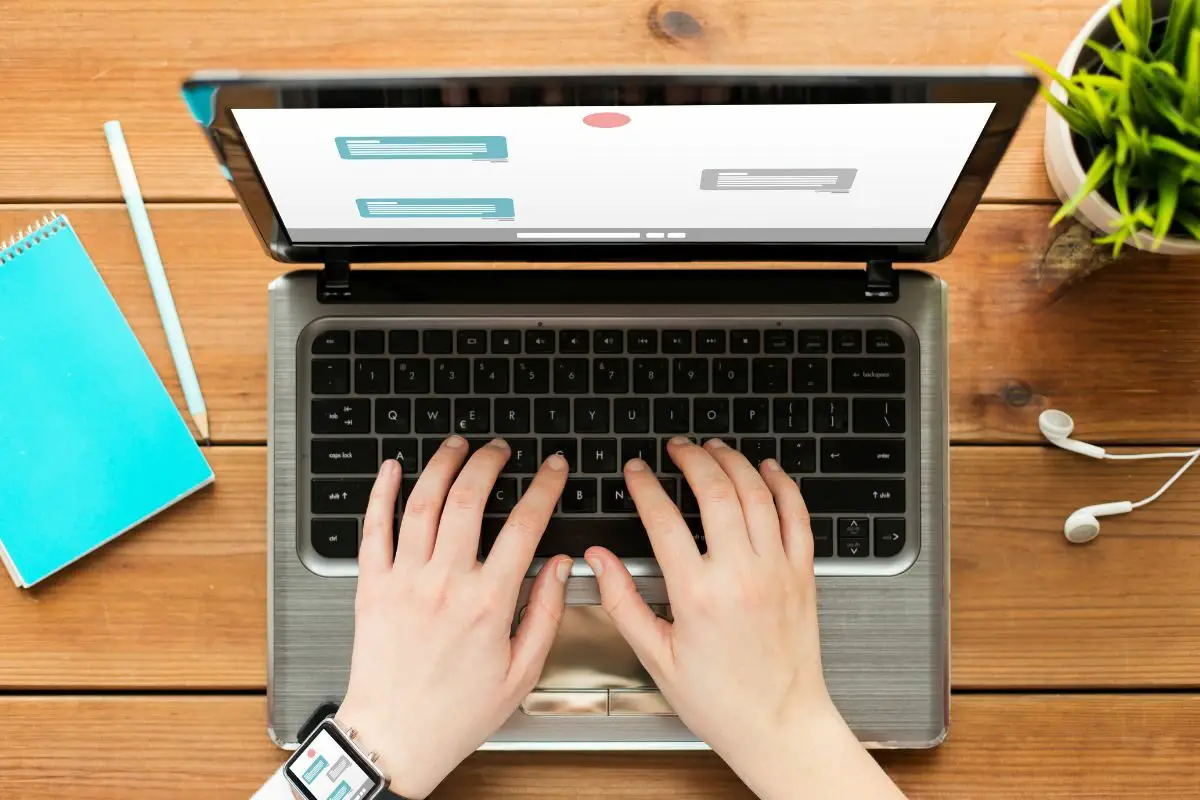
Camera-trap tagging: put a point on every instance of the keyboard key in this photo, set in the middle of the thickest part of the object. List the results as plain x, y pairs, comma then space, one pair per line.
332, 343
853, 547
643, 341
568, 448
572, 341
868, 375
343, 415
822, 532
505, 342
615, 497
431, 415
437, 342
631, 415
711, 414
579, 496
690, 376
853, 495
451, 376
830, 415
340, 496
610, 376
512, 415
731, 375
710, 341
812, 341
608, 341
853, 527
403, 342
472, 342
502, 498
645, 449
758, 450
791, 415
744, 341
368, 342
551, 415
393, 415
677, 341
491, 376
847, 341
412, 376
531, 376
330, 376
750, 415
883, 341
428, 448
770, 375
687, 498
862, 455
889, 537
472, 415
650, 376
671, 415
730, 441
570, 376
878, 415
591, 415
345, 456
798, 455
670, 488
372, 375
335, 538
539, 341
600, 455
778, 341
404, 451
625, 536
523, 456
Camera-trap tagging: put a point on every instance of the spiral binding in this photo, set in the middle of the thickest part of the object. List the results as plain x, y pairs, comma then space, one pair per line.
24, 240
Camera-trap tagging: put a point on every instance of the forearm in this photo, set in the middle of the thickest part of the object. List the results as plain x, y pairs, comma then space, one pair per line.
276, 788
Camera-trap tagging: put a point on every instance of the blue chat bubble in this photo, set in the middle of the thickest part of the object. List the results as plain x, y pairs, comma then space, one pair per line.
440, 207
474, 148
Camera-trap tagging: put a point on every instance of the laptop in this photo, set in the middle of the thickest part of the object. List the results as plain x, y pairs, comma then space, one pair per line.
592, 263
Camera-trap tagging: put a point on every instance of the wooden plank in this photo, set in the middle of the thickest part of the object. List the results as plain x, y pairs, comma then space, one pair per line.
181, 602
1119, 350
126, 62
130, 748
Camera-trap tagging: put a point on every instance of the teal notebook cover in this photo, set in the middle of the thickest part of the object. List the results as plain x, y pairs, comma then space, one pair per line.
91, 443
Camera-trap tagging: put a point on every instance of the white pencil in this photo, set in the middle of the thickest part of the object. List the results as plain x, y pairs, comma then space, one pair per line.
158, 276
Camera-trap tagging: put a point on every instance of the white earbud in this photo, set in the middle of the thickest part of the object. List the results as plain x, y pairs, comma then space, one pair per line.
1082, 526
1057, 425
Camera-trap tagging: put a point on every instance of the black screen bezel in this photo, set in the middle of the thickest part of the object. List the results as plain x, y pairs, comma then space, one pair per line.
1009, 91
365, 765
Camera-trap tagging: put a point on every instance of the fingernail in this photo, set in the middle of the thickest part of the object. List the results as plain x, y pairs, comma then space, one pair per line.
596, 566
771, 464
715, 444
562, 569
635, 465
498, 443
556, 462
455, 441
680, 440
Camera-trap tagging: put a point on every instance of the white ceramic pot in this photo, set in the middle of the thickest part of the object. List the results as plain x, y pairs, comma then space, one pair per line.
1062, 162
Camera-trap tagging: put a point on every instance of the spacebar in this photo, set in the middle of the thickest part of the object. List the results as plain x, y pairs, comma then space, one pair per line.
625, 536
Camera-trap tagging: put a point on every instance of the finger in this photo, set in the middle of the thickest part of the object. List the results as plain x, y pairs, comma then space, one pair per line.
720, 511
758, 505
423, 506
670, 536
539, 625
647, 634
794, 525
375, 553
458, 533
517, 541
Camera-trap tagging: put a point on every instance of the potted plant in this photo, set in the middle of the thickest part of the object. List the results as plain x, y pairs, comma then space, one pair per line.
1122, 140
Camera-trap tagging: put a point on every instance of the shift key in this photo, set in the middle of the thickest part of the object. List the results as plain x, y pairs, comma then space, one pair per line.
354, 456
853, 495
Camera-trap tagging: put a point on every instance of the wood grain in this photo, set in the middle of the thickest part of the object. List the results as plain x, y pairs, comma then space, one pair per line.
126, 61
181, 602
1050, 748
1120, 350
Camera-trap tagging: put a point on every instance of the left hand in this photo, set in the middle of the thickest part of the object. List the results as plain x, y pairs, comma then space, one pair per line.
434, 670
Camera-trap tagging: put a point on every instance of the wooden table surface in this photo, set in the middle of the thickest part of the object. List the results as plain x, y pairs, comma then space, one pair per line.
140, 673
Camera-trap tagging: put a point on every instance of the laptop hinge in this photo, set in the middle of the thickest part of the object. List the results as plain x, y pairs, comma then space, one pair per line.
882, 283
334, 280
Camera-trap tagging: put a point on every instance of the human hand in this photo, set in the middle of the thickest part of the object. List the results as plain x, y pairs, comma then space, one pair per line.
741, 663
434, 670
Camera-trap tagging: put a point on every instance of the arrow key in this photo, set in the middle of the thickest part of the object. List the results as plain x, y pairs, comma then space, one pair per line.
853, 546
853, 527
889, 537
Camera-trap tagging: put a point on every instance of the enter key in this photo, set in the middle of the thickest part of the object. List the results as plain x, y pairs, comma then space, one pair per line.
862, 455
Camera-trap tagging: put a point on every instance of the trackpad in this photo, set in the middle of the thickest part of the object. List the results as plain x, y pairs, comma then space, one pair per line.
589, 653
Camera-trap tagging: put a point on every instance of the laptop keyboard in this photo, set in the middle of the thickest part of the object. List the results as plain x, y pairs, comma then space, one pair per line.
828, 402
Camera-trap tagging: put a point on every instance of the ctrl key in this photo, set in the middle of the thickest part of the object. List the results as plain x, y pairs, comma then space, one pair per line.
335, 538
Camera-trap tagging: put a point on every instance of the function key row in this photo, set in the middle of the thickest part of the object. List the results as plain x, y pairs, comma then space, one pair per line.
714, 341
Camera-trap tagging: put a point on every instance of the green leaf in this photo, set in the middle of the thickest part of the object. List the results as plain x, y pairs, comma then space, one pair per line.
1120, 185
1189, 222
1079, 120
1165, 145
1106, 83
1191, 79
1116, 239
1110, 58
1168, 197
1128, 38
1175, 38
1100, 109
1139, 16
1123, 148
1095, 176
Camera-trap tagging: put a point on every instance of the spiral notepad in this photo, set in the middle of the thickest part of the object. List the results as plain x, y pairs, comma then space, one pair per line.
91, 443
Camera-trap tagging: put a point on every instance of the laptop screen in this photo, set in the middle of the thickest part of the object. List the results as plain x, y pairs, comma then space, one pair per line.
823, 173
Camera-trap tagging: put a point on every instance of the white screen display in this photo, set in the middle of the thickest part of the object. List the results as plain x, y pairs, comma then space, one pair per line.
328, 773
852, 173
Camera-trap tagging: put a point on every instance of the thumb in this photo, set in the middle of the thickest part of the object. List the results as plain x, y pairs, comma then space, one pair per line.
539, 625
646, 633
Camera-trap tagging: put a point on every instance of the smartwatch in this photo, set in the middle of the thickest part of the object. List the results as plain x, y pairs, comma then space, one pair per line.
330, 765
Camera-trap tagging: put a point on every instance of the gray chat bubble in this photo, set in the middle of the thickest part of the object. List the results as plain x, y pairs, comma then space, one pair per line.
338, 768
813, 180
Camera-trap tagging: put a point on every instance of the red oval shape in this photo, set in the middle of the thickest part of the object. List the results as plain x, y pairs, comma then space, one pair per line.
606, 119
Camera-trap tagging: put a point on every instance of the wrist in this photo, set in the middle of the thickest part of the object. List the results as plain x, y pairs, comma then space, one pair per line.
407, 777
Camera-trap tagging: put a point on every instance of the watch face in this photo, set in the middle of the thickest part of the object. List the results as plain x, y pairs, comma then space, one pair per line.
326, 767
